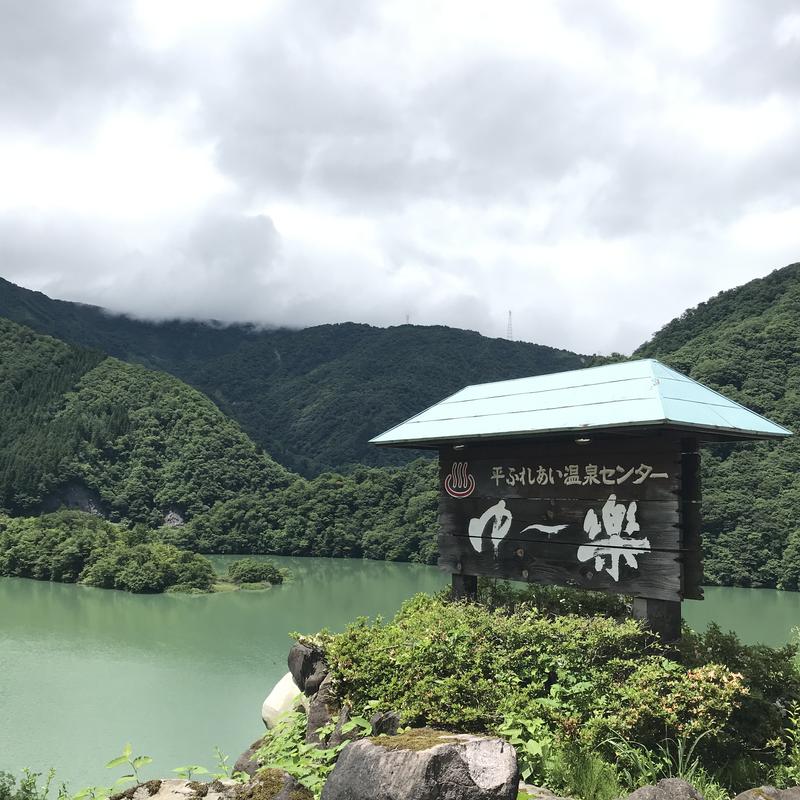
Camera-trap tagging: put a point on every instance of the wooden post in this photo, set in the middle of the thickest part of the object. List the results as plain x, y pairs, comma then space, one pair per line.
663, 617
465, 587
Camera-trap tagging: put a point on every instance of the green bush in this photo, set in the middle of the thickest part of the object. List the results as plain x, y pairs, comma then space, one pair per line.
770, 675
253, 570
565, 681
553, 600
72, 547
148, 568
28, 788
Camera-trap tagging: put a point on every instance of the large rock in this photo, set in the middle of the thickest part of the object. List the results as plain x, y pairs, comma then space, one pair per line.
386, 722
425, 765
271, 784
280, 700
770, 793
538, 792
321, 711
247, 761
308, 668
667, 789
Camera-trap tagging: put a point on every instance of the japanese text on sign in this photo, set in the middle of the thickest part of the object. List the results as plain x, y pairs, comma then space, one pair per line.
574, 475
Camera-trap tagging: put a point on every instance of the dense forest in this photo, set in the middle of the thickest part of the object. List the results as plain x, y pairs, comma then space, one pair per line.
311, 398
145, 445
138, 446
75, 547
142, 443
746, 343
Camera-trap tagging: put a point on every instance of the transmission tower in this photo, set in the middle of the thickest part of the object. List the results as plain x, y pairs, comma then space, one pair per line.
509, 332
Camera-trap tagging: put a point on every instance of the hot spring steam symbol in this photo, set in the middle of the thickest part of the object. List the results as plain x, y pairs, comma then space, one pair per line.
459, 483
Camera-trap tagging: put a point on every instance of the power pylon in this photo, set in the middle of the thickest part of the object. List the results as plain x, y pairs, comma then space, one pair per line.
509, 331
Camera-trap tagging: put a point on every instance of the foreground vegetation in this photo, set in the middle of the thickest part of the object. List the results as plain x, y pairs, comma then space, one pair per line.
594, 706
72, 547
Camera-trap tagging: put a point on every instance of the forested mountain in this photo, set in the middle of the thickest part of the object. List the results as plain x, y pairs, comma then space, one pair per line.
312, 398
145, 442
746, 343
132, 442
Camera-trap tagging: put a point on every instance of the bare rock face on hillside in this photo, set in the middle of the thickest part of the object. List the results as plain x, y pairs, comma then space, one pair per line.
76, 496
667, 789
423, 764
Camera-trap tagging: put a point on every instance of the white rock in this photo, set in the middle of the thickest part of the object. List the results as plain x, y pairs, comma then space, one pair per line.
280, 700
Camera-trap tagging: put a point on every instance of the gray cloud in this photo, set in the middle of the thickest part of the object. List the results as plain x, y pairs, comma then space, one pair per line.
596, 168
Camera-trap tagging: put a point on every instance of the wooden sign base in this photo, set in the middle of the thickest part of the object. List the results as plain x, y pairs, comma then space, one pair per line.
465, 587
663, 617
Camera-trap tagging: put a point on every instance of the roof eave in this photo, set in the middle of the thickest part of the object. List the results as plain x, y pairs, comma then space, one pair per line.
713, 433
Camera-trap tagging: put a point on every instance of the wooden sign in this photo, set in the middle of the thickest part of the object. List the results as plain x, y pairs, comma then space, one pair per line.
617, 516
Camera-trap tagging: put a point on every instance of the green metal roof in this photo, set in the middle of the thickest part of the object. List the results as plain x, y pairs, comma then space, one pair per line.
630, 395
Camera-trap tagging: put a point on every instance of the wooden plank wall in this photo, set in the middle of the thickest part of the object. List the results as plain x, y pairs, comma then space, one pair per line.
617, 516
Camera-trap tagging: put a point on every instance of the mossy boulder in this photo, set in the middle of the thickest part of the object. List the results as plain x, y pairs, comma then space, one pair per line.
425, 764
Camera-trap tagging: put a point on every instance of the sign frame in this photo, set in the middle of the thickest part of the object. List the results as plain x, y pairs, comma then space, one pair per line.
613, 514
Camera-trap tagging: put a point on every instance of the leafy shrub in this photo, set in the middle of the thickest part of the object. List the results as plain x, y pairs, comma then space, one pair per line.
769, 674
252, 570
148, 568
28, 788
284, 747
72, 547
787, 769
552, 682
463, 666
553, 600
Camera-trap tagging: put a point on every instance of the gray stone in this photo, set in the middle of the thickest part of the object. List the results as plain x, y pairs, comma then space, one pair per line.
425, 765
308, 668
539, 792
173, 519
770, 793
74, 495
273, 784
321, 710
247, 761
667, 789
385, 722
179, 789
338, 736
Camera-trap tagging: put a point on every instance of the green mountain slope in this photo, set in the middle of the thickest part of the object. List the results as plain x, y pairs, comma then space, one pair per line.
746, 343
313, 397
134, 443
81, 429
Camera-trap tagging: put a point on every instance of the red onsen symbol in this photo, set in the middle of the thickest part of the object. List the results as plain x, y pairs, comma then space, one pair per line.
459, 483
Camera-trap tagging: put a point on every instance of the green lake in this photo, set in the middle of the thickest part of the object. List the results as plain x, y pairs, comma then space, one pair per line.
82, 671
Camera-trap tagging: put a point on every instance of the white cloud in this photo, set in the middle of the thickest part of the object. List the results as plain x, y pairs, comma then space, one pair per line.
595, 168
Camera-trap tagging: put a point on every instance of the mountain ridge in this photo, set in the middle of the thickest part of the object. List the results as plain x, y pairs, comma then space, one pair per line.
311, 397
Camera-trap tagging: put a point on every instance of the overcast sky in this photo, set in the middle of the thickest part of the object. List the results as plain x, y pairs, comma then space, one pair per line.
595, 167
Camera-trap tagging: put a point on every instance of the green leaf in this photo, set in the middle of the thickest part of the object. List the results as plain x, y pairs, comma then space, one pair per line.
117, 762
141, 761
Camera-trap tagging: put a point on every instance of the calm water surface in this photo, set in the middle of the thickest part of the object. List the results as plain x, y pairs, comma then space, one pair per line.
84, 670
